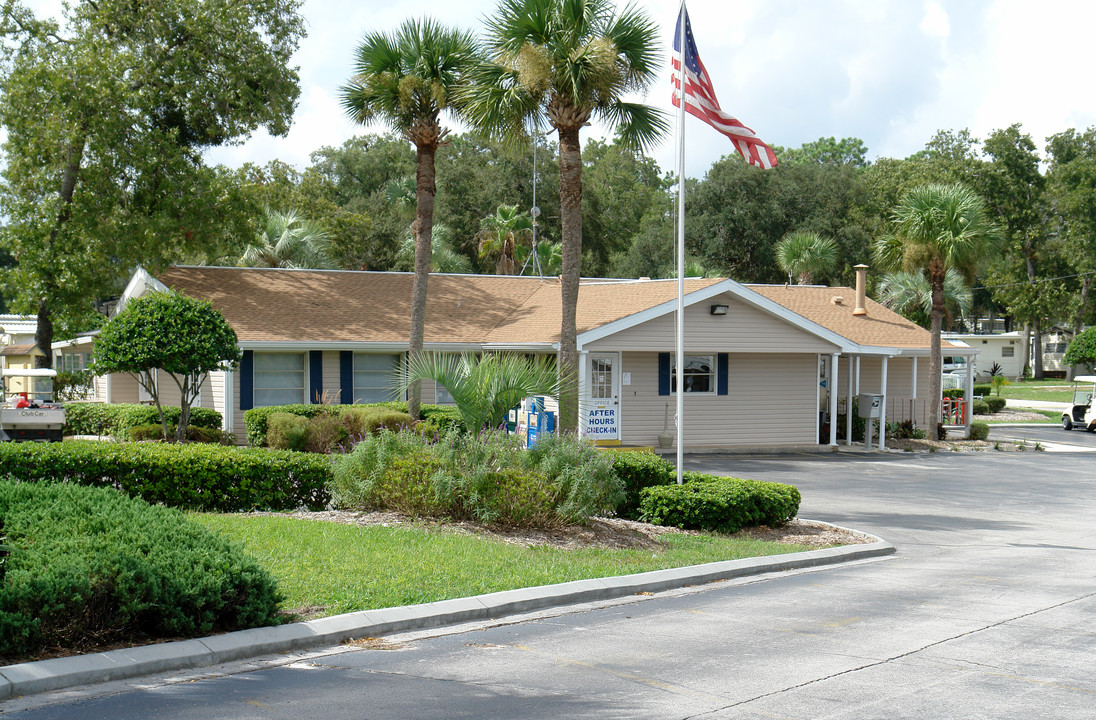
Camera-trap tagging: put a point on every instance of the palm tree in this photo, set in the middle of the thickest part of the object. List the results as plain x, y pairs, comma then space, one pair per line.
570, 60
408, 80
937, 228
910, 294
484, 388
443, 258
500, 235
806, 255
288, 240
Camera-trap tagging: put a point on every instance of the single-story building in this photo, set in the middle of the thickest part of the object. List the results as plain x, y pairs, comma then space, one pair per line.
766, 365
1001, 349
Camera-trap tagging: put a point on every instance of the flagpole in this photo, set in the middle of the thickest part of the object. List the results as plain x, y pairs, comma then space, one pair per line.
681, 250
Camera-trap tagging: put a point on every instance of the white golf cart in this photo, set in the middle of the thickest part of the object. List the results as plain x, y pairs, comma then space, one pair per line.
28, 412
1082, 414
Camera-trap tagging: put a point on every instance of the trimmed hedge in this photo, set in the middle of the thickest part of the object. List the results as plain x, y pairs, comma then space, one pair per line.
720, 504
83, 418
996, 404
193, 434
979, 431
209, 477
89, 565
980, 407
639, 470
440, 418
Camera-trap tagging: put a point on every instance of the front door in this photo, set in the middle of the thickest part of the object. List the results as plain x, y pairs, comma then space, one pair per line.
601, 408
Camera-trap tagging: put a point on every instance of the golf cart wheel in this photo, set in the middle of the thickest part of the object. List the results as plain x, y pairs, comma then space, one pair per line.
1067, 424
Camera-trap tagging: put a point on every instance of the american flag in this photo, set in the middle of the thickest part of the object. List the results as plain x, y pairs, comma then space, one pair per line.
700, 101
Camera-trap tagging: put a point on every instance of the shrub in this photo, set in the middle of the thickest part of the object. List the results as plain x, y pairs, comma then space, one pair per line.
370, 418
407, 485
955, 393
979, 431
706, 502
211, 477
903, 430
119, 418
982, 389
980, 407
581, 474
481, 477
996, 404
286, 431
193, 434
90, 565
638, 470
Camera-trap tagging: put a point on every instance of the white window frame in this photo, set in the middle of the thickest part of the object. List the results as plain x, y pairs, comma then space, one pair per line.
712, 373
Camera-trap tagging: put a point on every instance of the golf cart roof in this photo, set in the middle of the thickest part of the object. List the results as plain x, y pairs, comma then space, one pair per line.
1085, 378
35, 372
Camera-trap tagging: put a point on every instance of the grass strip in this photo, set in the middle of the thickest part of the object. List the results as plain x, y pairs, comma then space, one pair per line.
344, 568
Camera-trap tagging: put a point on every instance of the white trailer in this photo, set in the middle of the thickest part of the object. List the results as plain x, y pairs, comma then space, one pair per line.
28, 412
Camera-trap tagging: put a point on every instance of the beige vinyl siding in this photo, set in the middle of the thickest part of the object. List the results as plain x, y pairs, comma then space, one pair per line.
771, 400
743, 329
331, 377
99, 388
238, 429
217, 394
123, 388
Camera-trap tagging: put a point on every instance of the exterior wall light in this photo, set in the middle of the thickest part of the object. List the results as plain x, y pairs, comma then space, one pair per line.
719, 310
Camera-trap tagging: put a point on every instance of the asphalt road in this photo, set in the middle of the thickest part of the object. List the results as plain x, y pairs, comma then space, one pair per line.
1052, 437
985, 612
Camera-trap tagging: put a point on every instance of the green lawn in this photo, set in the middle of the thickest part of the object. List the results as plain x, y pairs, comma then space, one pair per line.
344, 568
1050, 390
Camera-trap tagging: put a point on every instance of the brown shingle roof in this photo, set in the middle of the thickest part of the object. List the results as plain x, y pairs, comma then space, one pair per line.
881, 327
24, 349
275, 305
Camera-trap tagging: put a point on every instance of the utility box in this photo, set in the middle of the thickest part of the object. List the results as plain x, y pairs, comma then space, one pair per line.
869, 405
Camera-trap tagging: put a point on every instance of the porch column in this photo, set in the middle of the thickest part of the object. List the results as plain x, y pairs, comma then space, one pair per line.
913, 393
883, 415
583, 363
969, 395
818, 402
832, 382
848, 404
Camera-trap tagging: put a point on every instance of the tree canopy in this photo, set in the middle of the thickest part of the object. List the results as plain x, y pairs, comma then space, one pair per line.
108, 111
183, 337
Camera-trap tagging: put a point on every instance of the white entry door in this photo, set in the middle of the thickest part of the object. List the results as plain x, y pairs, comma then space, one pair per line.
601, 408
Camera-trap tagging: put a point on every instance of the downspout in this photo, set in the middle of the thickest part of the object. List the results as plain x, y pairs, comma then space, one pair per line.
969, 396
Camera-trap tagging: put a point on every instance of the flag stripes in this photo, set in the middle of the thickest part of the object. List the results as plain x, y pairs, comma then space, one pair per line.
701, 102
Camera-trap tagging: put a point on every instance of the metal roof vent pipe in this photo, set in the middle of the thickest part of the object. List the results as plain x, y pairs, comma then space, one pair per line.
861, 289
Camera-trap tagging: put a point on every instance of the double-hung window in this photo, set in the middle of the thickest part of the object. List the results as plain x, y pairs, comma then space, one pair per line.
374, 377
279, 378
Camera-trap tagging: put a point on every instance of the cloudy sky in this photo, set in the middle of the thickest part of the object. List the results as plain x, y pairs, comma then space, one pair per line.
890, 72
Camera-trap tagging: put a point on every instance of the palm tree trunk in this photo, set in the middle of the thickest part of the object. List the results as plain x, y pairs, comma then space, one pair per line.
935, 356
570, 197
425, 189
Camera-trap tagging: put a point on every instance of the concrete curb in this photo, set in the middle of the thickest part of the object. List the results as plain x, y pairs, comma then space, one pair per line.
47, 675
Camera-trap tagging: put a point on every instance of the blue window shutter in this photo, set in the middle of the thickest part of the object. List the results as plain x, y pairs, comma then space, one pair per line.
315, 376
247, 380
346, 376
664, 373
721, 363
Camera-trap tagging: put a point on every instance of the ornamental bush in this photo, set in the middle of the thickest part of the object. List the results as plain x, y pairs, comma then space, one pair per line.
488, 478
89, 565
996, 404
980, 407
193, 434
979, 431
367, 418
708, 502
86, 418
638, 470
208, 477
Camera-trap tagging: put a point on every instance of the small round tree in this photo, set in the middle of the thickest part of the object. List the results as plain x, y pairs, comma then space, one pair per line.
185, 338
1082, 351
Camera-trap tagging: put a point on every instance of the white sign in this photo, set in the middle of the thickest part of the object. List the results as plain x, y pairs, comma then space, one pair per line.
626, 378
603, 423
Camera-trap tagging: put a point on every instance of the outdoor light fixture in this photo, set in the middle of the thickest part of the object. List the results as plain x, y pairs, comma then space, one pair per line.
719, 310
